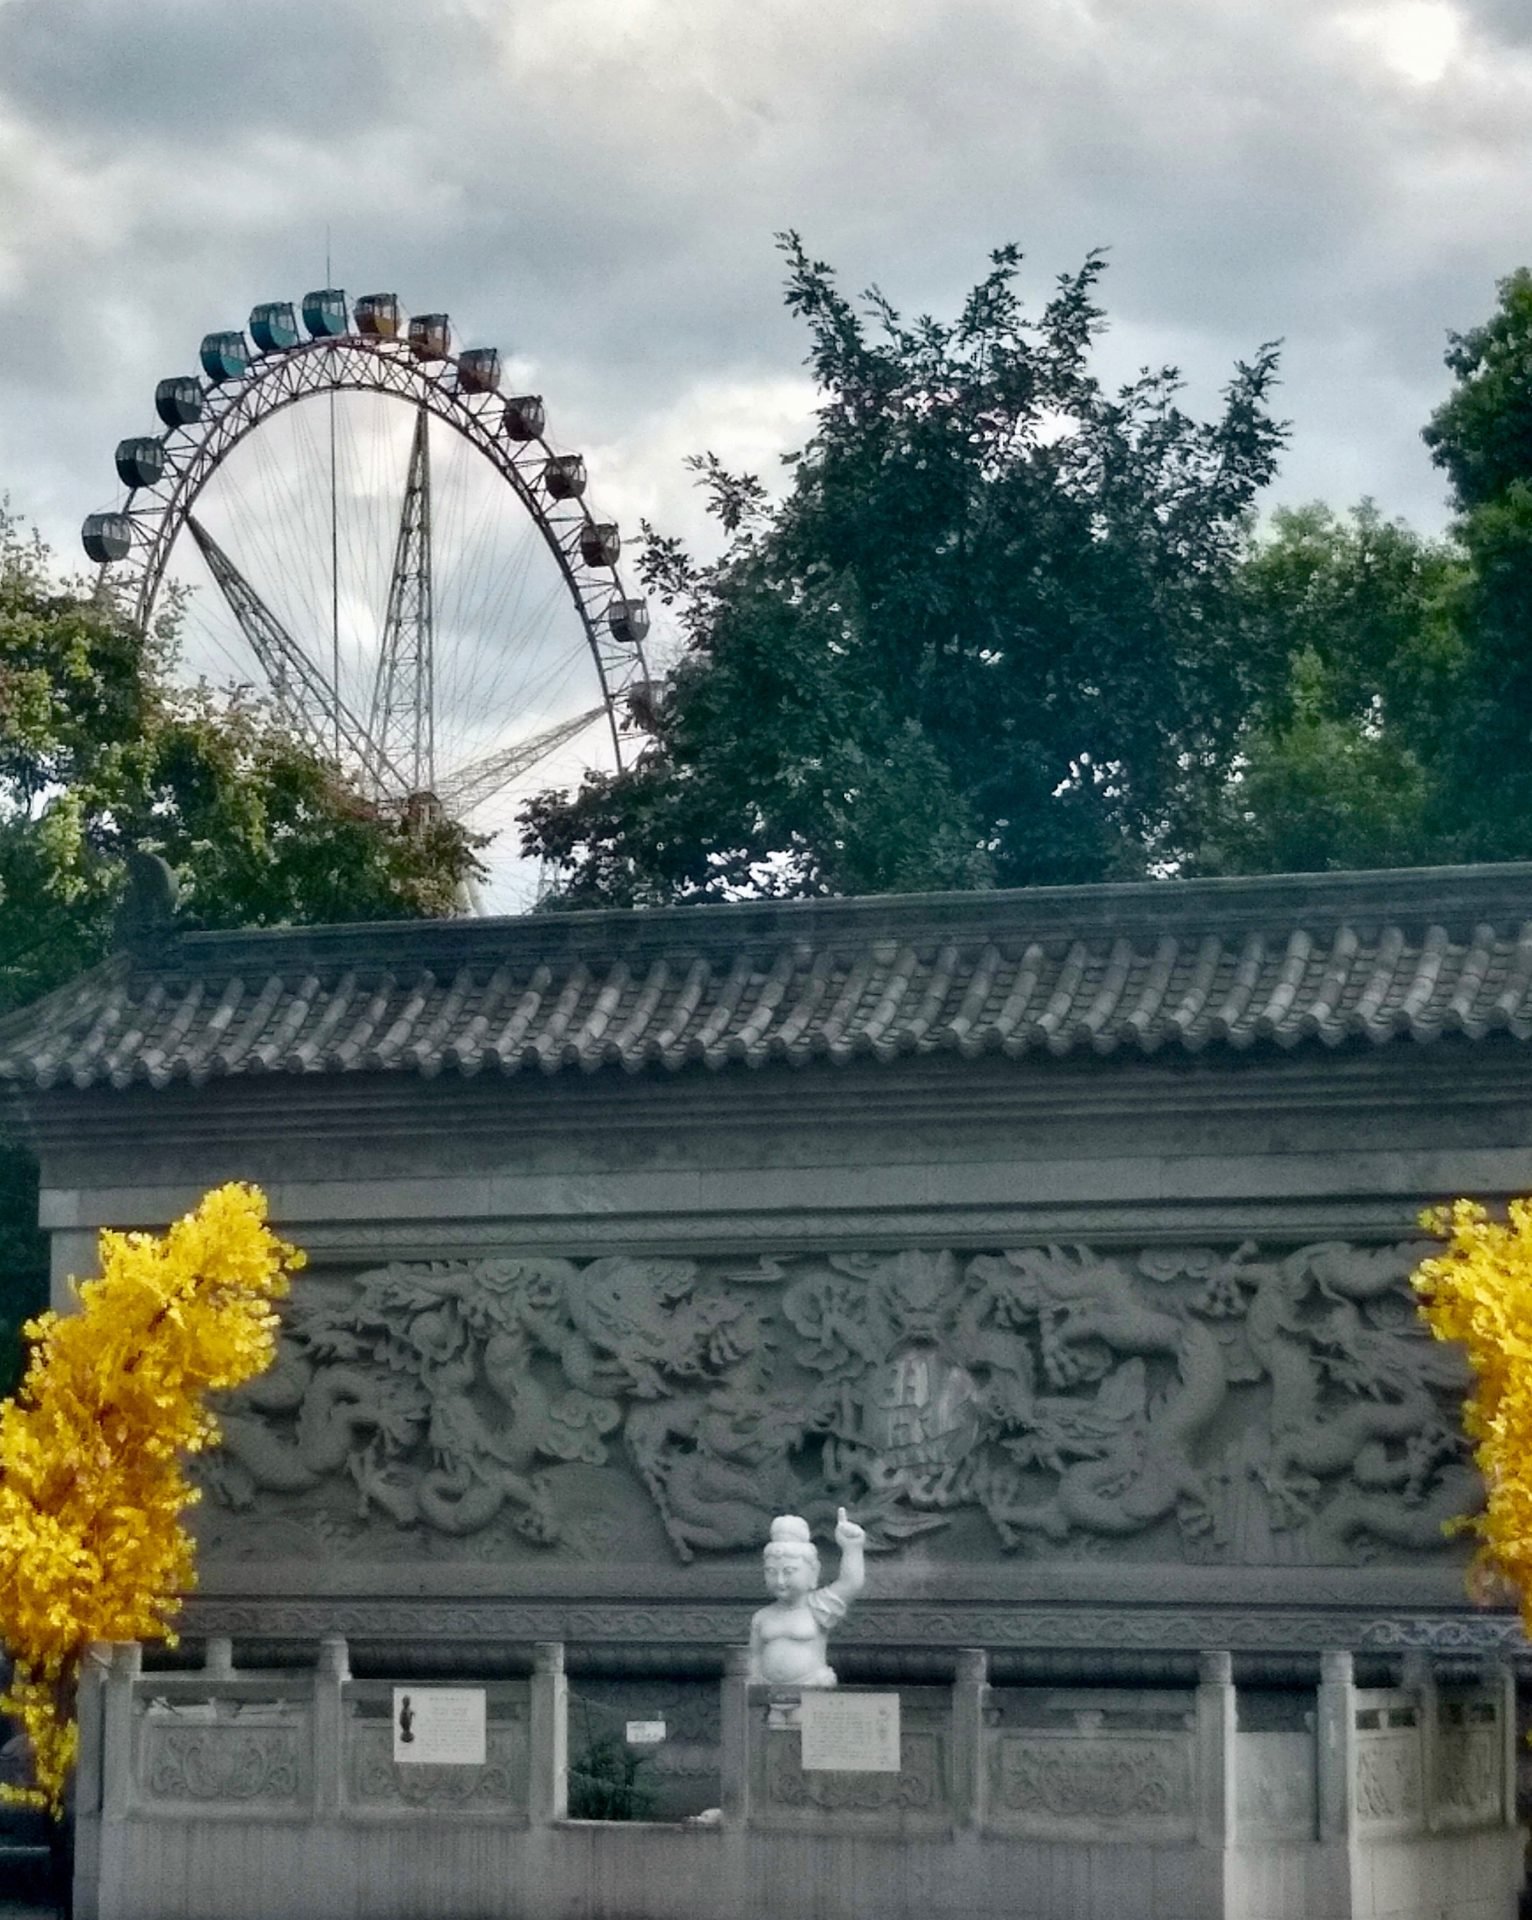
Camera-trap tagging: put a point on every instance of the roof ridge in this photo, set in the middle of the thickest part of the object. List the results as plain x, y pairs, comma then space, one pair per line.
1454, 895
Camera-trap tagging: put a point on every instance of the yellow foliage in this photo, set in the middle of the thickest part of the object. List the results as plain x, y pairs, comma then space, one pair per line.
1479, 1292
92, 1486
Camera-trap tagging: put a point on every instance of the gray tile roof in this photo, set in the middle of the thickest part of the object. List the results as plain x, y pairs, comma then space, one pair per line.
1127, 970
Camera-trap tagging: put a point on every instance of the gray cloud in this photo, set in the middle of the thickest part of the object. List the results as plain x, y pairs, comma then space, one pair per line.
178, 73
594, 183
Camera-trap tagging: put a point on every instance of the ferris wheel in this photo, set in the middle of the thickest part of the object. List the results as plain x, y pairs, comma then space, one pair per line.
389, 548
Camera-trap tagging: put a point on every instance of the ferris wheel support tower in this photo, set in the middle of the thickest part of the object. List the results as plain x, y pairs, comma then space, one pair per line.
402, 721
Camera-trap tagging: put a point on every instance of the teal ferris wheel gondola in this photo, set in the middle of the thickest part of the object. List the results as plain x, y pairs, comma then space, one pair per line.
107, 537
225, 357
140, 462
274, 326
628, 621
178, 400
324, 313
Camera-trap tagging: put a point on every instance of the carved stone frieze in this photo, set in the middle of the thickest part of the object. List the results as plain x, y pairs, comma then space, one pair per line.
1237, 1406
917, 1788
374, 1780
223, 1762
1150, 1629
1389, 1789
1276, 1788
1123, 1780
1469, 1750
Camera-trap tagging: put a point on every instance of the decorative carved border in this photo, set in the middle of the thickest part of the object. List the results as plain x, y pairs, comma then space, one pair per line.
1101, 1629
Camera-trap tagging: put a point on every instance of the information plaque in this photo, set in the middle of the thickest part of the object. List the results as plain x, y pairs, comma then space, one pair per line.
645, 1733
439, 1726
850, 1732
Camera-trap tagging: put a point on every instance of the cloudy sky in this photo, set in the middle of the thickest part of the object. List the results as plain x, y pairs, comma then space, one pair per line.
594, 185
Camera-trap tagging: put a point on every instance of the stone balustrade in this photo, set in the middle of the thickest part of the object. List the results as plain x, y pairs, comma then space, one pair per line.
225, 1794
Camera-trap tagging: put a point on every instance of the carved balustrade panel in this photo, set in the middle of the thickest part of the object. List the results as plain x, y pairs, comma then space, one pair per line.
224, 1754
916, 1798
1388, 1785
1276, 1785
1091, 1765
374, 1780
1470, 1759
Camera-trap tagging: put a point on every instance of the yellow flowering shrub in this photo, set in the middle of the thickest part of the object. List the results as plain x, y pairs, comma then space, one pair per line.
1479, 1292
93, 1445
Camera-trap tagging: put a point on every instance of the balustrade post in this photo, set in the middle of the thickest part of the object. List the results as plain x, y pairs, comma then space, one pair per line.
1419, 1678
1504, 1684
331, 1673
90, 1707
970, 1696
734, 1783
548, 1735
1335, 1732
218, 1657
126, 1664
1215, 1750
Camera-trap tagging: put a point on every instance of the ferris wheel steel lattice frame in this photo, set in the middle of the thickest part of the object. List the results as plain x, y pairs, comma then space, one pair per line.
445, 388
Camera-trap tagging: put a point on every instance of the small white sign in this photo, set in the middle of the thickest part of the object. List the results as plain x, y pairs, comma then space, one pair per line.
850, 1732
439, 1726
645, 1733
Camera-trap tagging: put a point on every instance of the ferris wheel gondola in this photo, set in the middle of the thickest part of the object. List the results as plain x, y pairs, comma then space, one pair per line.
359, 638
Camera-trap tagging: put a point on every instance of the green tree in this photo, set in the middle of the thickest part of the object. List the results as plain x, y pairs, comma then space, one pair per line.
1401, 730
1338, 764
991, 635
101, 756
1482, 437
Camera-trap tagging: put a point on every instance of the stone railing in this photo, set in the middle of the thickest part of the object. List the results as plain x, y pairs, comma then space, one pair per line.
1196, 1801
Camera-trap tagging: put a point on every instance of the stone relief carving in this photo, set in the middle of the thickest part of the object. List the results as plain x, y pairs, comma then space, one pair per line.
222, 1762
915, 1788
1466, 1786
1239, 1405
1275, 1785
1123, 1779
639, 1626
373, 1779
1388, 1777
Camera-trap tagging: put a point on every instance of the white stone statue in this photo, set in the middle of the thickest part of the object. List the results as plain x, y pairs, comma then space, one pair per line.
789, 1638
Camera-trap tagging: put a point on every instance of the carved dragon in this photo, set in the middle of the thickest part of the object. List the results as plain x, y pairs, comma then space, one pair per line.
1073, 1398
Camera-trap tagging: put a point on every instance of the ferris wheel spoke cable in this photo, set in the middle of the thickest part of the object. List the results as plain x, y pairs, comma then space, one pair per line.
511, 682
491, 676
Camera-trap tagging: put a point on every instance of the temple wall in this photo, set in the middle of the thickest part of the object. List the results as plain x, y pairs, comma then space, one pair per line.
1101, 1358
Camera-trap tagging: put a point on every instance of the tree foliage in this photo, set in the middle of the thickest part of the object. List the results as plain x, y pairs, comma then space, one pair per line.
1006, 628
984, 639
1402, 731
1338, 765
101, 753
92, 1449
1482, 437
1479, 1292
